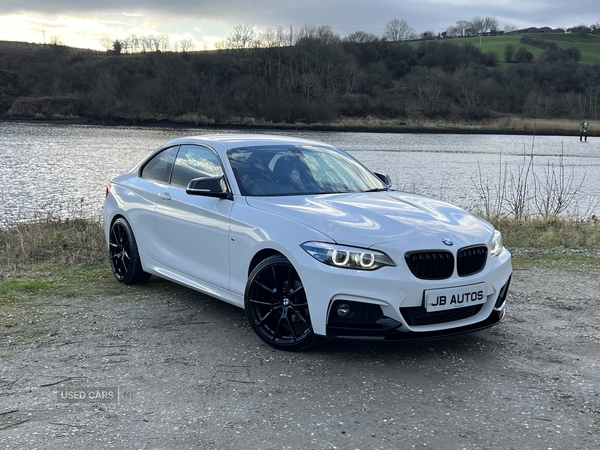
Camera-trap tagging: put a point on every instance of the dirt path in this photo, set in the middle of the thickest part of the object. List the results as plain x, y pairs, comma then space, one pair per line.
192, 374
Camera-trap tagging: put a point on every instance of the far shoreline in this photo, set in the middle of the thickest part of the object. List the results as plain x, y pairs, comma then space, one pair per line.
503, 126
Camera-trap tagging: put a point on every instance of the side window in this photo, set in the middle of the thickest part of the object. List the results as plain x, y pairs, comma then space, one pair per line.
159, 168
194, 161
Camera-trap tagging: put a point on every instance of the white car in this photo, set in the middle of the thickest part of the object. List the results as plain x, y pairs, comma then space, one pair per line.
306, 239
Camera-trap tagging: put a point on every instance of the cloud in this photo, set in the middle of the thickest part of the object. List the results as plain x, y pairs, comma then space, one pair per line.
340, 14
203, 18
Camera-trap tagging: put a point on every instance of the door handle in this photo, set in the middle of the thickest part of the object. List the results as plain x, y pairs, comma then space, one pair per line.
164, 196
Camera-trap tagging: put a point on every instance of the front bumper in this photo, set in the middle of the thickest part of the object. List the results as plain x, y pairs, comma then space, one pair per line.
385, 328
389, 302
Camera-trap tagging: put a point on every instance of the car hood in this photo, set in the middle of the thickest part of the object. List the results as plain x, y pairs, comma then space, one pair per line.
372, 218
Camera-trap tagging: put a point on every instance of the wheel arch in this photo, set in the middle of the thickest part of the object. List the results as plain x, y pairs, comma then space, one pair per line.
260, 257
116, 217
113, 219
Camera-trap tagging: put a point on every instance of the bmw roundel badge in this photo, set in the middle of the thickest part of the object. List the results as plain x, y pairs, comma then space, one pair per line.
448, 242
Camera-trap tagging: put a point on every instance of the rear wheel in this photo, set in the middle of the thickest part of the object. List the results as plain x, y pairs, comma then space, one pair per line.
124, 257
276, 305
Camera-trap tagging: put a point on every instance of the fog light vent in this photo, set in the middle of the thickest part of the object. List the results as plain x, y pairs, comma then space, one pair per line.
343, 309
346, 311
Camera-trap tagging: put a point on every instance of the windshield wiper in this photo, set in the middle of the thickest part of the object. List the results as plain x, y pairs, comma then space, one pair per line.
378, 189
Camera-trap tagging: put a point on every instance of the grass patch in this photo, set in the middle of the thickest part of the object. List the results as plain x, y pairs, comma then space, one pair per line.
59, 281
497, 44
13, 286
589, 45
53, 256
563, 243
550, 234
51, 240
586, 261
68, 258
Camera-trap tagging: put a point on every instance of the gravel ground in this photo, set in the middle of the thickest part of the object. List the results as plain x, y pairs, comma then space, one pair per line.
191, 374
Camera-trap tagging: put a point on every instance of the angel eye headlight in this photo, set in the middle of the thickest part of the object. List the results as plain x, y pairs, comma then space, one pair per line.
340, 257
497, 245
347, 257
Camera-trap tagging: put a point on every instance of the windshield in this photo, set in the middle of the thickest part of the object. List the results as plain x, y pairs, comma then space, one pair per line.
299, 170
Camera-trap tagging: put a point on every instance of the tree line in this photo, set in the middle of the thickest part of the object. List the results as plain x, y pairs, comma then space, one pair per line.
320, 78
246, 36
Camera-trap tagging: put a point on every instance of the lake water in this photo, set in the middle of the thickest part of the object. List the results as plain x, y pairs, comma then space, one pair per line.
62, 169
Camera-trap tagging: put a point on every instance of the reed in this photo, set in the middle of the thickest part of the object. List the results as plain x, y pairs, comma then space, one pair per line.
504, 125
541, 126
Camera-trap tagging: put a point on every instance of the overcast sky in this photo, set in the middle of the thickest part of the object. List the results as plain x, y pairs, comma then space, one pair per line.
82, 23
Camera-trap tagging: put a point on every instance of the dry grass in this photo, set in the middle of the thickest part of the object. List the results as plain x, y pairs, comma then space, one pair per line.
546, 126
54, 241
550, 234
67, 243
512, 124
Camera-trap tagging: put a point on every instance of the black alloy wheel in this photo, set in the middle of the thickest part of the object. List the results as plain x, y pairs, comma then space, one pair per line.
276, 305
124, 257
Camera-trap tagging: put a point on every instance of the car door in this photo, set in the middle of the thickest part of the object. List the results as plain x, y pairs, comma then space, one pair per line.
141, 205
194, 229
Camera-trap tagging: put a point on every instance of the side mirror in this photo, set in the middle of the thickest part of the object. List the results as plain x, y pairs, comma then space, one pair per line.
209, 187
386, 179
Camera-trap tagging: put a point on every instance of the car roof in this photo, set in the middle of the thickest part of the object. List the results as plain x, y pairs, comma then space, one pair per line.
228, 141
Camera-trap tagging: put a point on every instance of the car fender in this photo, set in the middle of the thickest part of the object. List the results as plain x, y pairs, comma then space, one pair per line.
246, 241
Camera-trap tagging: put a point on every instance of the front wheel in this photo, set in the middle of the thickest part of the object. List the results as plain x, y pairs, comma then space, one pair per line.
124, 257
276, 305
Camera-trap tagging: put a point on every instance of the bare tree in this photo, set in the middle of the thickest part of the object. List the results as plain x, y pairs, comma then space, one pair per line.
478, 25
106, 42
323, 35
186, 45
360, 37
273, 37
163, 43
490, 24
242, 36
462, 28
399, 30
145, 43
133, 43
125, 48
305, 32
428, 85
55, 40
282, 36
453, 31
327, 36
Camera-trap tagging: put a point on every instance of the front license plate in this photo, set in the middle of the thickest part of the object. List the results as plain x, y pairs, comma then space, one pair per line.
458, 297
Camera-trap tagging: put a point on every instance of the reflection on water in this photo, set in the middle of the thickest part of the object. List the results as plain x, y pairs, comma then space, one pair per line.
65, 168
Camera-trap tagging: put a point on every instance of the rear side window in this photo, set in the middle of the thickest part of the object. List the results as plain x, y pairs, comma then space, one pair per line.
194, 161
159, 168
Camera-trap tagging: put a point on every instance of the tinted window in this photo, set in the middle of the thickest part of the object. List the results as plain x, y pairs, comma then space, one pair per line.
195, 162
159, 168
298, 170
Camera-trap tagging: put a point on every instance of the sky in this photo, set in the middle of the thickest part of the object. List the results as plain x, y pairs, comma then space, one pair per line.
83, 24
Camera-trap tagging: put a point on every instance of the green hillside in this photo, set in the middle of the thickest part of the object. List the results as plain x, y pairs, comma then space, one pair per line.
589, 44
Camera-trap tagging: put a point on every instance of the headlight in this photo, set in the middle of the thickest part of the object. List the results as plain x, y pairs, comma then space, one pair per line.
497, 245
347, 257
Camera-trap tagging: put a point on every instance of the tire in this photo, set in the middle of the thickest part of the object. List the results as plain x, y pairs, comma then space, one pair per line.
124, 257
276, 305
